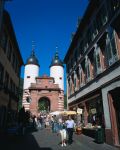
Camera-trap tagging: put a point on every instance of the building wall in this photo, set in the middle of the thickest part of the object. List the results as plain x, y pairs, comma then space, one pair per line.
93, 62
10, 65
52, 97
111, 137
44, 88
97, 84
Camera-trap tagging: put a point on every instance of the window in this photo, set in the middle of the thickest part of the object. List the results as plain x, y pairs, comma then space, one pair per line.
14, 87
101, 17
95, 29
13, 60
11, 84
16, 65
28, 76
89, 35
6, 80
104, 15
75, 82
82, 77
4, 41
87, 69
9, 51
115, 5
76, 55
98, 67
70, 87
50, 81
1, 73
81, 48
85, 43
111, 46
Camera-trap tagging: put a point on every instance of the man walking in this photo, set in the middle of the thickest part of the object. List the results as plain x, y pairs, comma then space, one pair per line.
70, 128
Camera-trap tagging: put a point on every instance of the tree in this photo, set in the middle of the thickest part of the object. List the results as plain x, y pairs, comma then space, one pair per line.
65, 101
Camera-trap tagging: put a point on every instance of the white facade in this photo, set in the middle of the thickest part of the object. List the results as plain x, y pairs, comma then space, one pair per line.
30, 73
57, 72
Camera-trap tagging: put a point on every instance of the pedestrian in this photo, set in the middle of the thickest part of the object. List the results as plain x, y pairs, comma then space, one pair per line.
41, 121
52, 124
55, 124
62, 132
38, 123
70, 124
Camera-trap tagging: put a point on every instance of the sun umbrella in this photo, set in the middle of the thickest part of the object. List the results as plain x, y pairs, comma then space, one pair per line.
68, 112
55, 113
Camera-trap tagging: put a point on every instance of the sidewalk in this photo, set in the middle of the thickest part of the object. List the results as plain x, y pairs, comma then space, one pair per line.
81, 142
46, 140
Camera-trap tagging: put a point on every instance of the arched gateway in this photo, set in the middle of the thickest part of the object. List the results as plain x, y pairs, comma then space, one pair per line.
46, 92
44, 104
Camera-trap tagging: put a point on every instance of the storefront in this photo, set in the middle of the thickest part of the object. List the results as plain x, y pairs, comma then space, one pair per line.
92, 116
95, 112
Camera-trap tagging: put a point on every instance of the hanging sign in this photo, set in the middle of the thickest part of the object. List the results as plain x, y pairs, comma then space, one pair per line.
79, 110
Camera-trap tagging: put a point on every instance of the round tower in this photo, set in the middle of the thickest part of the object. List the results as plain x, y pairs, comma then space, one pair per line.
57, 71
31, 70
30, 73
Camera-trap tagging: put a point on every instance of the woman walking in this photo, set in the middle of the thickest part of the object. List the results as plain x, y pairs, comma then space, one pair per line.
62, 132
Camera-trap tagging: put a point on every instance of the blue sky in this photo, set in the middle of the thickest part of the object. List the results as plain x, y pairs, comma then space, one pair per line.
48, 23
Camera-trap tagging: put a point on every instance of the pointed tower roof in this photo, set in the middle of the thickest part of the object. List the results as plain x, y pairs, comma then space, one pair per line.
56, 61
32, 59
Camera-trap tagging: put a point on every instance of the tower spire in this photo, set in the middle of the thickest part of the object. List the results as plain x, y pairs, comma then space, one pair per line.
56, 54
33, 47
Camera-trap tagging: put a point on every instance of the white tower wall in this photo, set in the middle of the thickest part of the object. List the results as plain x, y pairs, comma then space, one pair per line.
57, 72
30, 73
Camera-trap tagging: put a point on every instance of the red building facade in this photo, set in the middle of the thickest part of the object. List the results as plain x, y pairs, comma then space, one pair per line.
93, 68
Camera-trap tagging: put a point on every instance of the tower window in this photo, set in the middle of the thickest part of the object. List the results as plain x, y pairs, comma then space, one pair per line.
60, 78
28, 76
50, 81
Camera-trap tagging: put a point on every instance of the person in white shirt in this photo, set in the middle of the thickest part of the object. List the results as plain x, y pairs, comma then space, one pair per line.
70, 128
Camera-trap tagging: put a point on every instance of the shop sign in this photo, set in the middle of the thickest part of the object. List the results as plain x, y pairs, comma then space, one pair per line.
79, 110
93, 111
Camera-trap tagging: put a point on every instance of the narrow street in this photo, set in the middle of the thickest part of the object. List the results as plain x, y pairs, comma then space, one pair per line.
45, 140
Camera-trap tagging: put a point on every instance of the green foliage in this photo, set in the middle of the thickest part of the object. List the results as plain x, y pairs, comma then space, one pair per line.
65, 101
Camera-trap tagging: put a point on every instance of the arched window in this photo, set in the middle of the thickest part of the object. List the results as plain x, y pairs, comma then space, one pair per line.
82, 77
87, 64
98, 67
44, 104
111, 46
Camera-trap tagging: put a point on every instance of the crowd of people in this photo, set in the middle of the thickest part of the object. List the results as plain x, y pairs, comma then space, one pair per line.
61, 126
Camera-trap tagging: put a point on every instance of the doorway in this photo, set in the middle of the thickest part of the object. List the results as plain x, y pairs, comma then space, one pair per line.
44, 105
115, 94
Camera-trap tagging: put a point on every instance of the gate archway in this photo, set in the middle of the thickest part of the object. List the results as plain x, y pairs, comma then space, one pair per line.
44, 104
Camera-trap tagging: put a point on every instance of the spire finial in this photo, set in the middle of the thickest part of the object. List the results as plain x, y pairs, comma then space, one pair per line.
33, 47
56, 54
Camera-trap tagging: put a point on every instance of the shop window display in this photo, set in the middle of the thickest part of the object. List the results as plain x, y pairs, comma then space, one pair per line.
95, 113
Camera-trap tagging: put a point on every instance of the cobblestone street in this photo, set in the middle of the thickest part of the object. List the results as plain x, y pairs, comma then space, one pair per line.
45, 140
